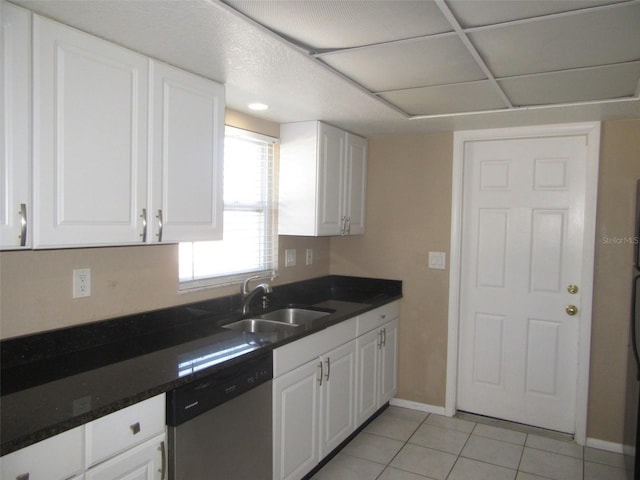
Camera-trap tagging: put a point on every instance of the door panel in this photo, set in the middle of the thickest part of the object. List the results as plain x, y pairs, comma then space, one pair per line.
493, 225
522, 246
187, 155
338, 397
331, 178
90, 139
295, 429
488, 352
547, 249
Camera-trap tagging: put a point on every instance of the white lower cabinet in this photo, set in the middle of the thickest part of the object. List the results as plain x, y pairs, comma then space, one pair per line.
121, 430
56, 458
313, 411
337, 397
147, 461
388, 362
129, 444
377, 367
327, 384
314, 402
296, 403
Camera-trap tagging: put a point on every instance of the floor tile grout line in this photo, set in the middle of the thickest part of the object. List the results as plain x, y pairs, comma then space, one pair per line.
460, 452
406, 442
524, 445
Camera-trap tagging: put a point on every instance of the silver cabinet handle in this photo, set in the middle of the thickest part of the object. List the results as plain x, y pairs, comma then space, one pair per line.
321, 373
144, 225
23, 227
163, 455
348, 227
379, 339
159, 217
343, 225
328, 369
384, 337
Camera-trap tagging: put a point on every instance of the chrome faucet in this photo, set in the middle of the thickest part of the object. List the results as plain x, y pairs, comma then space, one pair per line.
247, 295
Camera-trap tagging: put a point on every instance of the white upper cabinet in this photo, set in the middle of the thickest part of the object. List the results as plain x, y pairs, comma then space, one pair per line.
90, 139
15, 128
356, 181
126, 150
187, 148
322, 180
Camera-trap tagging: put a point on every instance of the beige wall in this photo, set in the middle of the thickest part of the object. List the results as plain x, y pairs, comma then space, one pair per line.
619, 171
408, 214
409, 202
35, 286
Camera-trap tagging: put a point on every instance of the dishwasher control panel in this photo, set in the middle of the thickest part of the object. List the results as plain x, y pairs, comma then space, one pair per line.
199, 396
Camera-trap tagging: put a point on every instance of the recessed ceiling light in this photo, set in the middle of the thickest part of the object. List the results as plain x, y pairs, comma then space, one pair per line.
258, 106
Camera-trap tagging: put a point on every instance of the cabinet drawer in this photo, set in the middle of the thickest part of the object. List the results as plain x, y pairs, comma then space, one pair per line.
301, 351
56, 458
125, 428
146, 461
376, 318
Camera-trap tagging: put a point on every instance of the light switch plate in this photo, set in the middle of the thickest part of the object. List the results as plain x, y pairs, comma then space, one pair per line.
290, 257
437, 260
309, 256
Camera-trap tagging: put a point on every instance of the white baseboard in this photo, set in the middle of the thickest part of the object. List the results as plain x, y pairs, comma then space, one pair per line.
423, 407
605, 445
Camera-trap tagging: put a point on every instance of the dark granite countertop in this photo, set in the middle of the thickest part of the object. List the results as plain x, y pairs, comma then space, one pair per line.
57, 380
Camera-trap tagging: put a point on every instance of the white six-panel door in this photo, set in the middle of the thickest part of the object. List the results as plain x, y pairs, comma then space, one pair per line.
522, 247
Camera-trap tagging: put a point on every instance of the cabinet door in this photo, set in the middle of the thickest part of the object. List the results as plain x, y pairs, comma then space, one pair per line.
356, 184
56, 458
188, 136
388, 362
295, 422
147, 461
90, 139
338, 397
368, 346
15, 127
331, 181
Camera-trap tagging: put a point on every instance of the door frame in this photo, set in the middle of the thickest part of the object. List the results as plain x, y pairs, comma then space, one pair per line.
591, 132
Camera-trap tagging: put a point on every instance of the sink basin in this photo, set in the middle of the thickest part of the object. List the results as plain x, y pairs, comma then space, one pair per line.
259, 325
294, 316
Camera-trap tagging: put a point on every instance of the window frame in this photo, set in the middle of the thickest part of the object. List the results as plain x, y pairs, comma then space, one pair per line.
271, 237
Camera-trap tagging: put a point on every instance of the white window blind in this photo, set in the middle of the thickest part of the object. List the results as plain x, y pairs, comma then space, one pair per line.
249, 244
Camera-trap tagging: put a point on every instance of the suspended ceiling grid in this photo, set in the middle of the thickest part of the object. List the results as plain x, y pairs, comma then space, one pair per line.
429, 58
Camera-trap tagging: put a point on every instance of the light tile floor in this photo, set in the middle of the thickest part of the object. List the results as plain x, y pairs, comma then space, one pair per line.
404, 444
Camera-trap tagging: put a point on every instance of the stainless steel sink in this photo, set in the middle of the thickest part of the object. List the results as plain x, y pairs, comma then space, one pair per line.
294, 316
260, 325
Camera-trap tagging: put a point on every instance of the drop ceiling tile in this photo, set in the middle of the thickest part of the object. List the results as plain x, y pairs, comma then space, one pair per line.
465, 97
474, 13
403, 65
582, 40
599, 83
322, 24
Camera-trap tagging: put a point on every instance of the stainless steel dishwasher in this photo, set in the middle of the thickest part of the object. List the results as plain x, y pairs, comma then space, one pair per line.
220, 427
